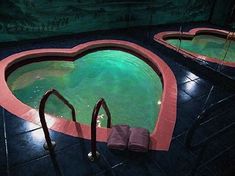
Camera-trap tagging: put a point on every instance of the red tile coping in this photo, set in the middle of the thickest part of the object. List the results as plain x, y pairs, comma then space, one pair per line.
162, 36
160, 137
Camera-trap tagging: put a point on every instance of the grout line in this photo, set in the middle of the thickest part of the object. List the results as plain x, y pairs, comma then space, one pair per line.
25, 132
181, 83
180, 134
194, 80
66, 147
5, 139
43, 156
182, 90
158, 165
119, 164
187, 150
110, 168
209, 170
192, 97
30, 161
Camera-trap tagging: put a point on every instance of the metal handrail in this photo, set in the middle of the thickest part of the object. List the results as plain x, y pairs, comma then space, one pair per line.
49, 145
191, 132
93, 155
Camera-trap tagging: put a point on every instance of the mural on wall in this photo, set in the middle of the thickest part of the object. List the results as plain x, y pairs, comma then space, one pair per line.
26, 19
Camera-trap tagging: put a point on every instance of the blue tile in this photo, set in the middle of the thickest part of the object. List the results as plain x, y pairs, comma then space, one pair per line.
218, 93
227, 139
30, 145
183, 121
113, 157
1, 125
139, 166
182, 78
74, 161
194, 89
204, 83
192, 76
224, 164
3, 173
186, 118
183, 97
229, 71
38, 167
213, 148
215, 96
191, 109
179, 130
218, 123
177, 160
25, 147
16, 125
3, 160
63, 140
203, 172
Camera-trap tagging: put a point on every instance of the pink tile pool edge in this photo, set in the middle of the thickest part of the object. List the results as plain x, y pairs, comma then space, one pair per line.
160, 137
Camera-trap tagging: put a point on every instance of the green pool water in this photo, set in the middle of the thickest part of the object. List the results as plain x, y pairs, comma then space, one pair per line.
208, 45
131, 88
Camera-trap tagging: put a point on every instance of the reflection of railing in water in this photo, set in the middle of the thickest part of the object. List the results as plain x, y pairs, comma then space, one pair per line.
180, 38
203, 145
229, 38
49, 145
93, 155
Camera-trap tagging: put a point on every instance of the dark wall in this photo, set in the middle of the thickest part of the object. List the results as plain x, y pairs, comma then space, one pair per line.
26, 19
223, 12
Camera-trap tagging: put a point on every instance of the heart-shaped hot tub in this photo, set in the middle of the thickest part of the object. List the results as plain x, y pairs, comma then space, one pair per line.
206, 44
138, 87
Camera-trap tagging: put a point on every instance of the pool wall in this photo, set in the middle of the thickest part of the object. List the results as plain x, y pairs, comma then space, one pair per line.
162, 133
163, 36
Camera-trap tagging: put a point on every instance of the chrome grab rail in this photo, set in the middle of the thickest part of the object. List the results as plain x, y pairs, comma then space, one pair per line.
93, 155
49, 145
